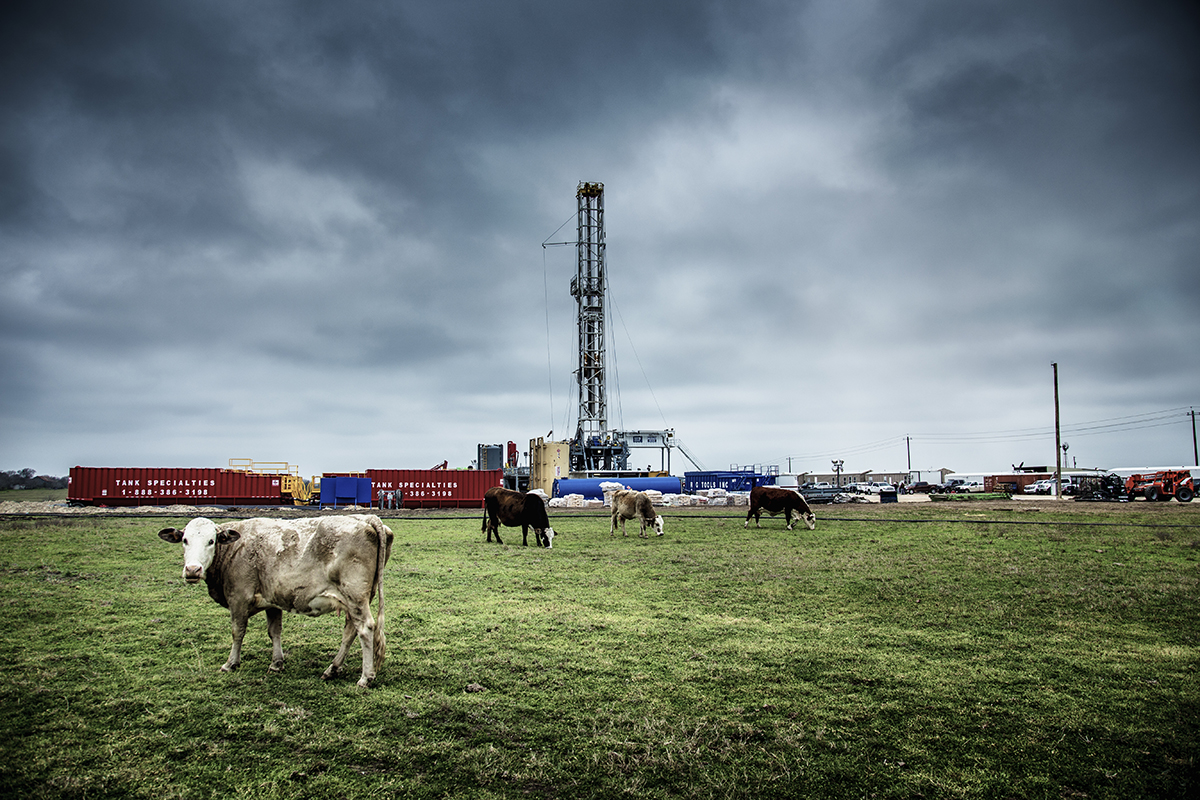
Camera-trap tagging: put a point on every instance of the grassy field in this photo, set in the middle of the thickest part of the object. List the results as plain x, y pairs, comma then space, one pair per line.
32, 495
939, 651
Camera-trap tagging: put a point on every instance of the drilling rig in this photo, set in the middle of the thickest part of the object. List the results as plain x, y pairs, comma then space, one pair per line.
596, 450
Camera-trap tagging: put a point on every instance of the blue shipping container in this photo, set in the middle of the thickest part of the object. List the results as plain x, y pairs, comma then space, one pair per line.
345, 491
729, 481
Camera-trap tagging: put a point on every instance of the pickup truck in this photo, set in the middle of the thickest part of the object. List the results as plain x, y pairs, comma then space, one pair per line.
820, 492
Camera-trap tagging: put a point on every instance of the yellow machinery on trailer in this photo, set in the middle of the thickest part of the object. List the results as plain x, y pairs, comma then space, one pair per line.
291, 484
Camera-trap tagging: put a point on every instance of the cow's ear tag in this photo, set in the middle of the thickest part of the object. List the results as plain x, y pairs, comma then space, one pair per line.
225, 537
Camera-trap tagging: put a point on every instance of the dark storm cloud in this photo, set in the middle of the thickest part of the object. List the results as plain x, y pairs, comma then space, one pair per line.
298, 197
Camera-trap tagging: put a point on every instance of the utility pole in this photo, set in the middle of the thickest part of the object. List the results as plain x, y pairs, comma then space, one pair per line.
1195, 452
1057, 439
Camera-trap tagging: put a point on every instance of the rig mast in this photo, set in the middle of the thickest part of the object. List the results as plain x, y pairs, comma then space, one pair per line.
597, 451
593, 448
588, 290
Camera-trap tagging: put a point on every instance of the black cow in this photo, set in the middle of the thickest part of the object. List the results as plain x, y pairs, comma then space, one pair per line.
504, 506
773, 501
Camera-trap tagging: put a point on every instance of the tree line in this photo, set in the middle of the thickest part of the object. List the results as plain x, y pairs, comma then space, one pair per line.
29, 479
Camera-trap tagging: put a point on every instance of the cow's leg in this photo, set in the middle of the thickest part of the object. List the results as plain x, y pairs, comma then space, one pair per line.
238, 622
275, 631
349, 631
366, 636
358, 621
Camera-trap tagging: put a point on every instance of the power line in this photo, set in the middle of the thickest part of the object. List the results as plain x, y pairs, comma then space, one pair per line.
1108, 425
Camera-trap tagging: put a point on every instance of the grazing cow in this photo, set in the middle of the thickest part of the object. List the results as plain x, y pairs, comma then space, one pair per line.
773, 500
310, 566
527, 509
627, 504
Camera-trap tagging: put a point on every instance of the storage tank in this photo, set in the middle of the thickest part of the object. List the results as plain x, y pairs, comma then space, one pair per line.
166, 486
490, 456
436, 488
548, 461
590, 487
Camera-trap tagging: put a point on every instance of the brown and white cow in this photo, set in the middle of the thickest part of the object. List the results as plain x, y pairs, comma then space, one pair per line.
308, 566
505, 507
774, 500
627, 504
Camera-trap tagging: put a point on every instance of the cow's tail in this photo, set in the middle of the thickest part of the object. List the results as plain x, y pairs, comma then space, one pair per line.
383, 550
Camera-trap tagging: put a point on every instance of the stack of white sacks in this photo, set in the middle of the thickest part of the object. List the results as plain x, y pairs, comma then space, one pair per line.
704, 497
612, 487
569, 501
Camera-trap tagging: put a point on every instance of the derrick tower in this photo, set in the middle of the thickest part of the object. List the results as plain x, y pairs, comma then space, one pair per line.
596, 450
594, 446
587, 288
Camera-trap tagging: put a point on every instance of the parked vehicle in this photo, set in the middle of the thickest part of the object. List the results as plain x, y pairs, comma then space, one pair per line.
1162, 485
1107, 486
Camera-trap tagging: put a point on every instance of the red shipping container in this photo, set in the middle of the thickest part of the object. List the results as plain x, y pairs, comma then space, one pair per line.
165, 486
436, 488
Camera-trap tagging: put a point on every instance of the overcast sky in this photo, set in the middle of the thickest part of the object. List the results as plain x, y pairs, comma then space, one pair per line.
312, 232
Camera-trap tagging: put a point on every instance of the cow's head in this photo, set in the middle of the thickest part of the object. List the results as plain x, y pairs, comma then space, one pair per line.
548, 536
200, 539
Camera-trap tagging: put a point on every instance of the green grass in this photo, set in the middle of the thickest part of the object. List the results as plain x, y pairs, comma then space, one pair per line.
894, 652
32, 495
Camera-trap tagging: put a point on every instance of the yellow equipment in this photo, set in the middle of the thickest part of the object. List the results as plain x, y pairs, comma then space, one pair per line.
290, 482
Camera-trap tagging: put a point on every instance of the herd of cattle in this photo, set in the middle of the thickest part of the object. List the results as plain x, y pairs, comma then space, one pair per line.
316, 565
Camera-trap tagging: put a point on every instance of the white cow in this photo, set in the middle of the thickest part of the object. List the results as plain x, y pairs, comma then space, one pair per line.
309, 566
627, 504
